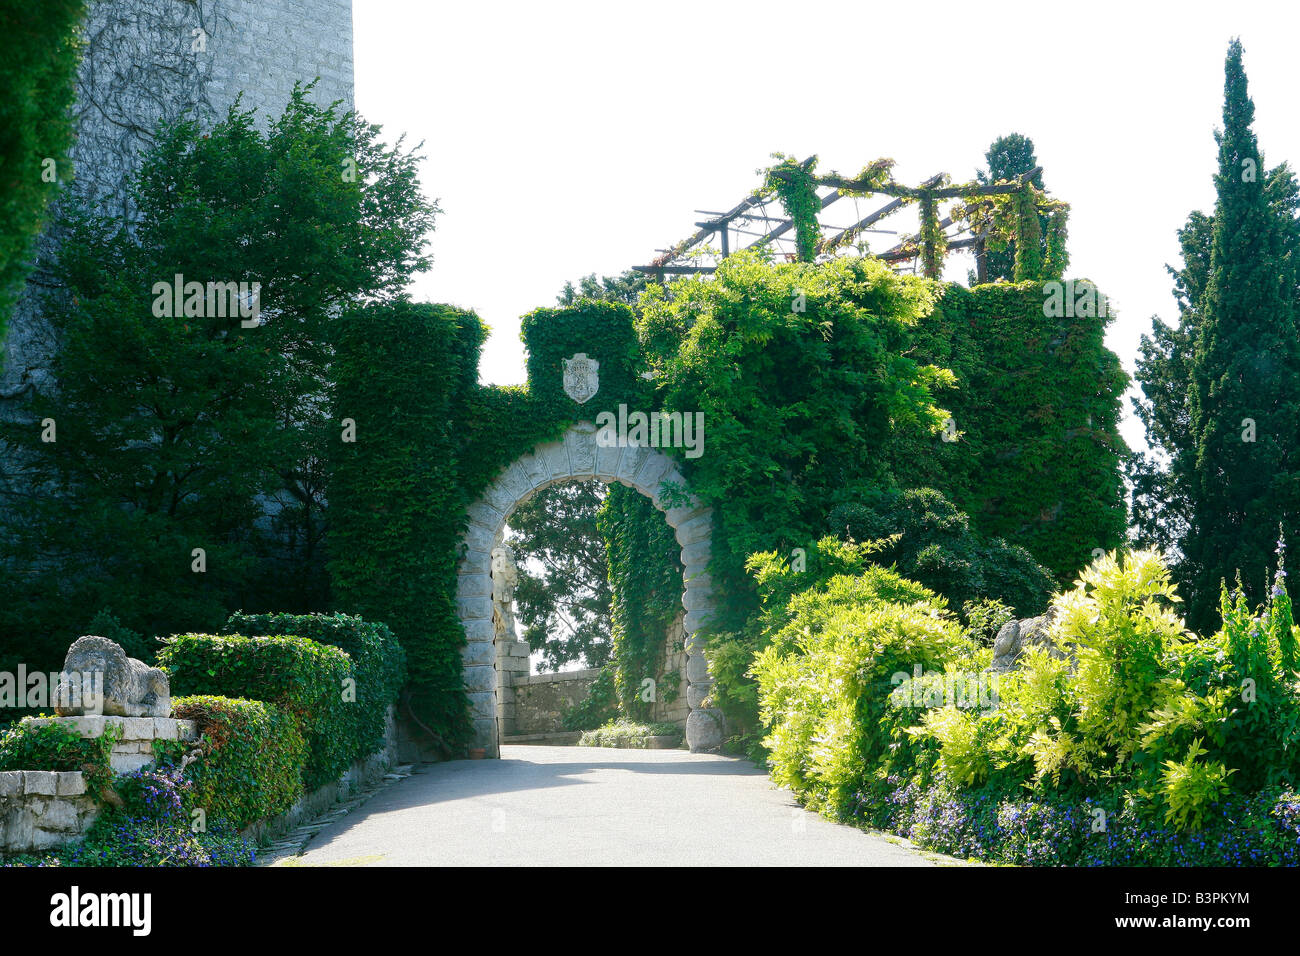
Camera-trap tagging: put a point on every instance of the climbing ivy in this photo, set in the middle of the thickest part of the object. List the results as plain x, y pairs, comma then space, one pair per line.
396, 500
645, 576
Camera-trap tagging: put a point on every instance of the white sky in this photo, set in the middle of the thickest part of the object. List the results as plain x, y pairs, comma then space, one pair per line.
564, 138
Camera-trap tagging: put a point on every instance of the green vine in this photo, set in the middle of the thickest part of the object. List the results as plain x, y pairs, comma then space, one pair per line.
646, 579
795, 186
934, 244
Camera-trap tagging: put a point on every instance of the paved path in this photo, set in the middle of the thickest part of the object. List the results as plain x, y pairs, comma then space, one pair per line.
581, 806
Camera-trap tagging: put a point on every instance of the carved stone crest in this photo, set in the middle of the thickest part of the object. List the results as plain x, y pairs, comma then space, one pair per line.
581, 377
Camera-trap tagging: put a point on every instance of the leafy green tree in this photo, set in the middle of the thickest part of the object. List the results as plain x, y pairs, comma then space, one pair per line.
1008, 157
936, 547
563, 596
39, 53
1162, 490
1223, 390
622, 288
201, 430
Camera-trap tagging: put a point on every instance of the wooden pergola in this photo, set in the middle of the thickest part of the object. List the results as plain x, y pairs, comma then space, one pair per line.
750, 224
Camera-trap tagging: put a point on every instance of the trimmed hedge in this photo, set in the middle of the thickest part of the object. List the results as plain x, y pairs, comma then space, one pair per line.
253, 754
300, 676
378, 665
396, 505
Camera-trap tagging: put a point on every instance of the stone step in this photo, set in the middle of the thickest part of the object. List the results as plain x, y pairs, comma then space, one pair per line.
556, 739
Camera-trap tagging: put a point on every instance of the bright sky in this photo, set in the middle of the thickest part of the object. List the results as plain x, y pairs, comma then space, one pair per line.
565, 138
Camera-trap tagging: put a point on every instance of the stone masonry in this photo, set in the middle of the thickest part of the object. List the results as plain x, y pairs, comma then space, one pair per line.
577, 456
43, 808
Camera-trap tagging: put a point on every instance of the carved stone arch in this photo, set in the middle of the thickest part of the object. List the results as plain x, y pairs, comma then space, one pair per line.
577, 456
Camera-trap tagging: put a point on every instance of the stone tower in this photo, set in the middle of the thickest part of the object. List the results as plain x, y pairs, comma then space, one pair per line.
150, 61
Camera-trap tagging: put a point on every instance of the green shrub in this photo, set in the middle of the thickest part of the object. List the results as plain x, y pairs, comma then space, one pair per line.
33, 745
251, 766
598, 708
303, 678
378, 665
936, 546
627, 733
826, 680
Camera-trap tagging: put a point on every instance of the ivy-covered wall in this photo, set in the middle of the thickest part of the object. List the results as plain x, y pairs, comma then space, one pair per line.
403, 372
1033, 451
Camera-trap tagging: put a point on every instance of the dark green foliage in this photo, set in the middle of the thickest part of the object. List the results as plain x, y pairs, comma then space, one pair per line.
378, 665
645, 574
168, 429
29, 745
38, 71
563, 606
396, 500
937, 548
105, 624
302, 678
1162, 494
252, 758
1035, 418
1243, 393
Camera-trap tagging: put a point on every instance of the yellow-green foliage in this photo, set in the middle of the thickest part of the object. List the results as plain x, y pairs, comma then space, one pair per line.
1123, 700
825, 679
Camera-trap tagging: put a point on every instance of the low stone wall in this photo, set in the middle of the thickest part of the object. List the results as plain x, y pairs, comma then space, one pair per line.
43, 808
541, 699
40, 809
134, 747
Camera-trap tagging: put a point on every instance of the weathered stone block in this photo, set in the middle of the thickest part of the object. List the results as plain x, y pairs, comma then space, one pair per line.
697, 669
128, 763
696, 619
479, 679
704, 730
11, 783
478, 653
138, 728
699, 528
483, 704
70, 783
164, 728
40, 781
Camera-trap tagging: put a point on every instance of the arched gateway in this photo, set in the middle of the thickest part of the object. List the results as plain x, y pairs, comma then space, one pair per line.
578, 456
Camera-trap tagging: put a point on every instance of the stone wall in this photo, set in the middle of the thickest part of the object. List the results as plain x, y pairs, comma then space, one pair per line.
541, 699
40, 809
43, 808
670, 706
141, 67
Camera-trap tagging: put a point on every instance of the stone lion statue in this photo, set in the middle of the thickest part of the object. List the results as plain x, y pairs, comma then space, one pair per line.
131, 688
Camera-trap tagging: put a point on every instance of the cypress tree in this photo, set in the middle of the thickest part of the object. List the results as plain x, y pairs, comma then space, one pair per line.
1243, 402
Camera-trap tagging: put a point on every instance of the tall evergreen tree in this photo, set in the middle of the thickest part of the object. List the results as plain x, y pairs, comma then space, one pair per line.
1008, 157
1231, 372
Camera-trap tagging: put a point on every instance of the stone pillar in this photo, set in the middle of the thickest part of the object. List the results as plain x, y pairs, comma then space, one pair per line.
512, 662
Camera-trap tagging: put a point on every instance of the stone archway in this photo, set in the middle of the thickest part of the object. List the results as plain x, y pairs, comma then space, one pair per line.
577, 456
